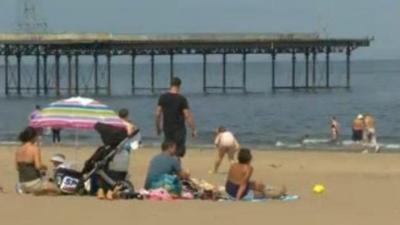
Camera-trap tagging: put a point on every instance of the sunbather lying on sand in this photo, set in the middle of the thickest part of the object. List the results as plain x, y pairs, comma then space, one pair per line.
239, 184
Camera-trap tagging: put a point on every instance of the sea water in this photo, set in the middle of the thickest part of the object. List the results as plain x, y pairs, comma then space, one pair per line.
259, 118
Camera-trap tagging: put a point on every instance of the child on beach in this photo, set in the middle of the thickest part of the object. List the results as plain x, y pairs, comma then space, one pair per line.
226, 143
239, 184
335, 129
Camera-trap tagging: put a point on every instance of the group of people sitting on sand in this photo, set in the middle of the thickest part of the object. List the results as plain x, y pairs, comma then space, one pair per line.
163, 166
165, 169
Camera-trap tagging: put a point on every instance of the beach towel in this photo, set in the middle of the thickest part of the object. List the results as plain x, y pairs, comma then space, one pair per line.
249, 198
171, 183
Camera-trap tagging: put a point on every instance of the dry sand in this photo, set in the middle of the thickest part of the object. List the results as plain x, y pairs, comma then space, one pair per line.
360, 189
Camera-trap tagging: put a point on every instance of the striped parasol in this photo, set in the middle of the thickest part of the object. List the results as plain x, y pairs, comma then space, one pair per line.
75, 112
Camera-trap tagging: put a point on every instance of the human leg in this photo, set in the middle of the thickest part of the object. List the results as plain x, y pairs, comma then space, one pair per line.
179, 138
218, 160
260, 191
231, 154
275, 192
40, 187
53, 133
58, 135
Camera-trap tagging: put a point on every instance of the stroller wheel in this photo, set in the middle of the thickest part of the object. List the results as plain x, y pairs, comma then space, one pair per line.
125, 190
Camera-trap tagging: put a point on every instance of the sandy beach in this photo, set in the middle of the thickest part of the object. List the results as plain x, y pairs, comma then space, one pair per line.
360, 189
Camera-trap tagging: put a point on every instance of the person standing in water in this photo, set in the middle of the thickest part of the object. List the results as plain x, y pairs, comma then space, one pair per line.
335, 129
358, 128
369, 123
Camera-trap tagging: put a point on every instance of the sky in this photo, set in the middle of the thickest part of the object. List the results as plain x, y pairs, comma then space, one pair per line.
332, 18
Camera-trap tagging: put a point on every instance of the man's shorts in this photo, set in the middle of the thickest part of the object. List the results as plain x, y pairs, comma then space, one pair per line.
179, 138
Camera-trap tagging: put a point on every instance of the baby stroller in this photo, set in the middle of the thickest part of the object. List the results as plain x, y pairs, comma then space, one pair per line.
97, 165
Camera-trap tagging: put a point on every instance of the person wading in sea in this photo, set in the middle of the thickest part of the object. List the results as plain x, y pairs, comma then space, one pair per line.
174, 109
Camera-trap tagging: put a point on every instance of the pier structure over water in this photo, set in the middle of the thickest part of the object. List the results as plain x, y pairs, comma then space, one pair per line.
72, 46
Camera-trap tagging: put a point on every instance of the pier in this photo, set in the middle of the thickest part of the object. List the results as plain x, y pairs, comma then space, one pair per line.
70, 47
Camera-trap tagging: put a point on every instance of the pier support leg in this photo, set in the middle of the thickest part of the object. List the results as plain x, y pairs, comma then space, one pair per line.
224, 73
77, 74
307, 60
171, 66
348, 54
57, 59
96, 73
152, 72
19, 73
69, 58
293, 69
133, 57
244, 76
327, 67
273, 59
109, 74
6, 88
45, 85
314, 59
37, 73
204, 73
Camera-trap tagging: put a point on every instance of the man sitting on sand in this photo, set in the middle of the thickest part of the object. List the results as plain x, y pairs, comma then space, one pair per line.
226, 143
165, 170
239, 184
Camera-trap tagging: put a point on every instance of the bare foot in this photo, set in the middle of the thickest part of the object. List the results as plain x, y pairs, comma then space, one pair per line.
110, 195
100, 194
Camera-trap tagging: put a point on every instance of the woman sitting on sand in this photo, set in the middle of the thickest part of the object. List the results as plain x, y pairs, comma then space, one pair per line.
239, 185
30, 167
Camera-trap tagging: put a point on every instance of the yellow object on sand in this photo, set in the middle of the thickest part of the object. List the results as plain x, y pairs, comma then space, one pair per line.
318, 188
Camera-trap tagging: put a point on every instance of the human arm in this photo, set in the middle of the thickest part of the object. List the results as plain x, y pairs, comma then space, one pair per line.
37, 159
181, 173
217, 140
158, 119
237, 145
190, 121
244, 183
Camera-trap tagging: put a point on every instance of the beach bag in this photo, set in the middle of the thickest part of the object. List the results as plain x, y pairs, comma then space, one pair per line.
67, 180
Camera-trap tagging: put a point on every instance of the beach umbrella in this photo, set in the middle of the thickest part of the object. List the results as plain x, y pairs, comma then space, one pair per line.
75, 112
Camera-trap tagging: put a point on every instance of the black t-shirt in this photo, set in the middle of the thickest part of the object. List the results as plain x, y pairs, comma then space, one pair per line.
172, 106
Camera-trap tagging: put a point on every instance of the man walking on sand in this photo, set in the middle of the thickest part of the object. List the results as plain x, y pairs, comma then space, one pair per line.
174, 109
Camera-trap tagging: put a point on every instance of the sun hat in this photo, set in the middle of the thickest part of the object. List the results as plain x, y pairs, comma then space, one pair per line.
60, 158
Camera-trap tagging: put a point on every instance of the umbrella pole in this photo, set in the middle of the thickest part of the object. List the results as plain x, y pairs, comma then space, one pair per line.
76, 143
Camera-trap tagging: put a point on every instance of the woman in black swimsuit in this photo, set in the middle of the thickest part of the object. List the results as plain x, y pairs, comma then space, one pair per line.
30, 166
